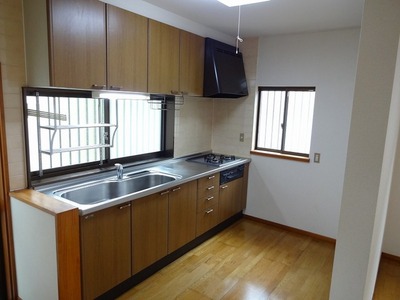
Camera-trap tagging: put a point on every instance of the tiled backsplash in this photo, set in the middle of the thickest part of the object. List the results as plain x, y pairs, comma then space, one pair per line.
193, 126
13, 72
216, 124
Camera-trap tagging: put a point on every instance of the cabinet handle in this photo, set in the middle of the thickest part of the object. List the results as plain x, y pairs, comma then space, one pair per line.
164, 193
211, 177
209, 211
125, 206
224, 187
115, 88
89, 216
98, 87
176, 189
210, 198
210, 187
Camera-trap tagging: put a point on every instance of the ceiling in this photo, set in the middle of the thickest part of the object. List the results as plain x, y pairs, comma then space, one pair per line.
269, 18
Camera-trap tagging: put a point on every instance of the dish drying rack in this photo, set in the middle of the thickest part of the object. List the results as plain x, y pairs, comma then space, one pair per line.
59, 121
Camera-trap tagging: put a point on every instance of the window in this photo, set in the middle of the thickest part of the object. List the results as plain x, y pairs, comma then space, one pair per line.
284, 120
70, 130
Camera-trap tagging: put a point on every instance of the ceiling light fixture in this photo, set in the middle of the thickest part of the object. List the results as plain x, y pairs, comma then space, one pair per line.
231, 3
239, 3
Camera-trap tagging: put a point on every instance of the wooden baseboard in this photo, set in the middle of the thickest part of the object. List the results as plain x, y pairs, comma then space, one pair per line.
292, 229
313, 235
390, 256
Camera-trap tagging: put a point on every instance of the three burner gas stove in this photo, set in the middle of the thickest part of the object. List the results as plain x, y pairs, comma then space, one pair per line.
213, 159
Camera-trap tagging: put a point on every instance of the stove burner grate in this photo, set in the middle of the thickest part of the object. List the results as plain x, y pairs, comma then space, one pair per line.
218, 158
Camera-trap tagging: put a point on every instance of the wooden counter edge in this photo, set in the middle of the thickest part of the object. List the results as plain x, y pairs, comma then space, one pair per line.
42, 201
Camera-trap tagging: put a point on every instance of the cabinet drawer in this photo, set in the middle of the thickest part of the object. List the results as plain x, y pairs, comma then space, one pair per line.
207, 200
206, 219
211, 180
208, 186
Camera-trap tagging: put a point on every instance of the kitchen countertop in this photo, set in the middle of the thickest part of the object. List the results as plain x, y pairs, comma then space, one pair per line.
185, 171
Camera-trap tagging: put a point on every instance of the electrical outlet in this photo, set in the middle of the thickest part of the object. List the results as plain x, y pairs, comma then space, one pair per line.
241, 137
317, 157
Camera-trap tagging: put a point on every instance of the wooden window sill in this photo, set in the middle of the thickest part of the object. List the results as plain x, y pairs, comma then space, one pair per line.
280, 155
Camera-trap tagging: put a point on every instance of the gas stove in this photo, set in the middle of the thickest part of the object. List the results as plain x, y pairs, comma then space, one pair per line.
213, 159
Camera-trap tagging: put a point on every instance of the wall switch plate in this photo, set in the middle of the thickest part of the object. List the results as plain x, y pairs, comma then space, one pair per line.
241, 137
317, 157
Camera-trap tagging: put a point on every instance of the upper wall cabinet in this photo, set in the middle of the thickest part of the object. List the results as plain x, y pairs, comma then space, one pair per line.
88, 44
163, 58
81, 51
65, 43
176, 60
191, 69
126, 50
77, 43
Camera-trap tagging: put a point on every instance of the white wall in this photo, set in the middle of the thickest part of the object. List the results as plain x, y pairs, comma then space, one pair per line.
391, 242
308, 195
35, 237
370, 155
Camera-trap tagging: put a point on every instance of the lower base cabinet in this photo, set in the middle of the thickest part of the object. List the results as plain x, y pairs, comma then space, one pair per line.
162, 223
230, 199
105, 249
121, 241
149, 230
182, 215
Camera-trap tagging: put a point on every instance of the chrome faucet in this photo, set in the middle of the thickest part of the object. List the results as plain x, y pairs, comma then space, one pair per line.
120, 171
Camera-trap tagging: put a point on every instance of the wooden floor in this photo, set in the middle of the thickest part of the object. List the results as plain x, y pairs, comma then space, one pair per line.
251, 260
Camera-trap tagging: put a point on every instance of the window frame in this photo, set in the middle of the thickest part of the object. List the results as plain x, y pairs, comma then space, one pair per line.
281, 153
167, 137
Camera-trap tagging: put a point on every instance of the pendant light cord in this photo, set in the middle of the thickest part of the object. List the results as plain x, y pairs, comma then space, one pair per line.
238, 38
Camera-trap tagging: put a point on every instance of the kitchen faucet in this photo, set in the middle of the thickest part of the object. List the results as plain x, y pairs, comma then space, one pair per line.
120, 171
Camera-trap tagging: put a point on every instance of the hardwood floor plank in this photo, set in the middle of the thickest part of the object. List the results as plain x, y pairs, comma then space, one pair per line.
246, 290
252, 260
388, 281
190, 295
267, 274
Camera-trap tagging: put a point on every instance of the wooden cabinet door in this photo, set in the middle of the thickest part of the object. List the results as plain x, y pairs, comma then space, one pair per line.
182, 215
77, 43
126, 50
149, 230
105, 249
163, 61
191, 68
230, 199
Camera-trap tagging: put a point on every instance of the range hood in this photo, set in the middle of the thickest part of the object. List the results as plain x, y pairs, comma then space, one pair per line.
224, 75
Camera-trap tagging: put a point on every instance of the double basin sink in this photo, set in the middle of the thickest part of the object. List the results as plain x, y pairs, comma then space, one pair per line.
111, 188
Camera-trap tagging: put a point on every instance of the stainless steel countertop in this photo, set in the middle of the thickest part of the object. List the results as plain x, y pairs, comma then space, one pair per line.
186, 170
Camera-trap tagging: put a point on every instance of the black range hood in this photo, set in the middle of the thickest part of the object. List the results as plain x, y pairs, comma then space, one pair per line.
224, 75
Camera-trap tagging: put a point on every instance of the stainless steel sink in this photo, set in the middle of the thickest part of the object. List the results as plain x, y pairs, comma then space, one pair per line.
108, 189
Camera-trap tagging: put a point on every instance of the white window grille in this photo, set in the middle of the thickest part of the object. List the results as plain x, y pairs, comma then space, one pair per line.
284, 120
